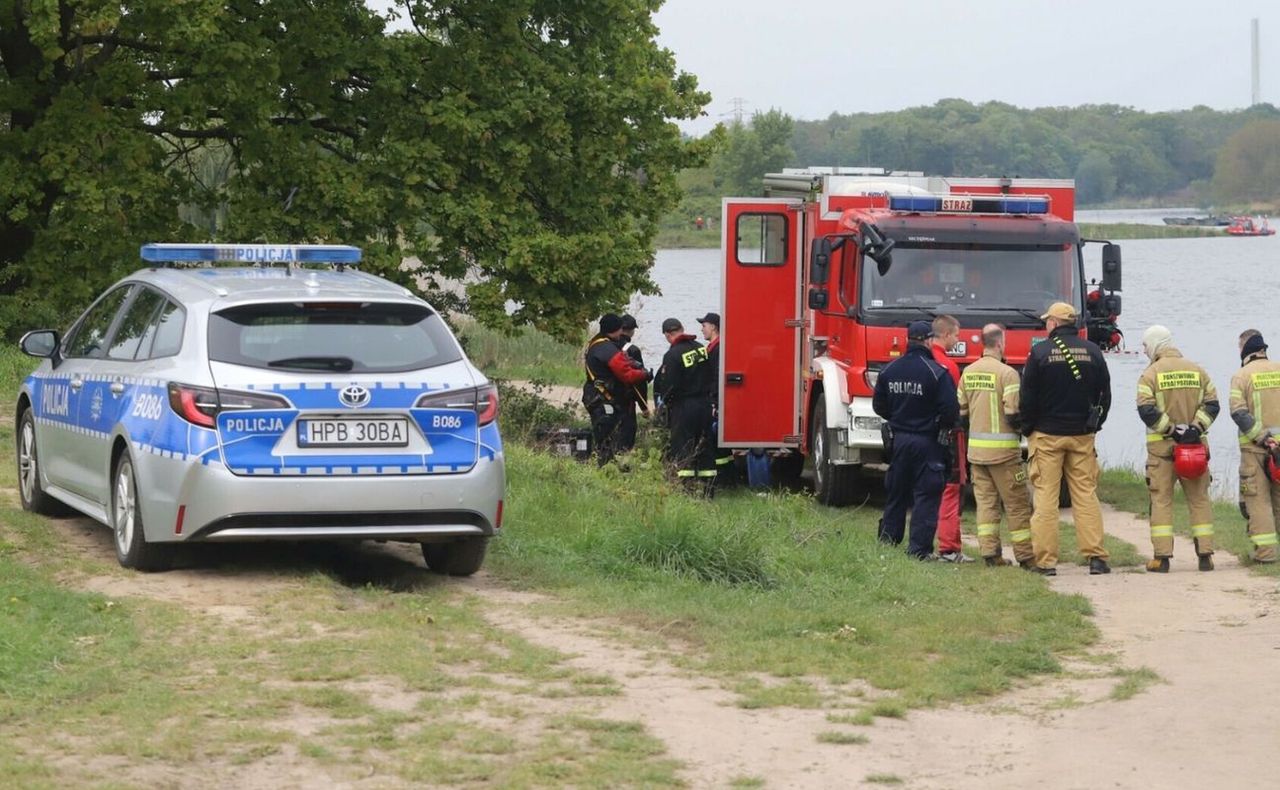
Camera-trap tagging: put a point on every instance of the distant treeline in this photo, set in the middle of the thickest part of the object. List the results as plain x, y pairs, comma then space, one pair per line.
1199, 156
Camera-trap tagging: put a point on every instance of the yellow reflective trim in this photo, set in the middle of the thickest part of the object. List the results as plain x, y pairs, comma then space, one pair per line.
685, 473
1156, 437
1201, 530
1203, 418
1012, 388
728, 459
1162, 531
1265, 539
1143, 389
1237, 392
999, 444
1178, 379
988, 529
706, 473
1253, 433
1162, 424
1020, 535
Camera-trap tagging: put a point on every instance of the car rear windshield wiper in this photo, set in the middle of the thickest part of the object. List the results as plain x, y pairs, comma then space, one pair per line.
340, 364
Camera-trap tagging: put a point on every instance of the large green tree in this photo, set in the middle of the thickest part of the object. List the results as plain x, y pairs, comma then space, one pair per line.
1249, 163
520, 151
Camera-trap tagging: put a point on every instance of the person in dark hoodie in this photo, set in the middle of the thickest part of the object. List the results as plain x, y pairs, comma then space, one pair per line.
683, 383
639, 391
607, 390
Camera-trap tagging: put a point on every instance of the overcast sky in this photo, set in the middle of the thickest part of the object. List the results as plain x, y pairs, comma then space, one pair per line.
810, 58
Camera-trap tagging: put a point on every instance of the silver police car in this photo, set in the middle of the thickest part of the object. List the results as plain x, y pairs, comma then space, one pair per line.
265, 400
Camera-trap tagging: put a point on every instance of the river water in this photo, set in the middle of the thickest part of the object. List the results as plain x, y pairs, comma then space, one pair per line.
1206, 290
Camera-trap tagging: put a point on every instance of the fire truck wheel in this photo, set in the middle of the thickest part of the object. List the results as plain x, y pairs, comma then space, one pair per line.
833, 484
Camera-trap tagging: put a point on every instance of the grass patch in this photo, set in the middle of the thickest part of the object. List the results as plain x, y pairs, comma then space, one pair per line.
775, 584
746, 782
883, 779
843, 738
1137, 230
1123, 554
863, 718
888, 708
529, 355
1133, 682
1126, 490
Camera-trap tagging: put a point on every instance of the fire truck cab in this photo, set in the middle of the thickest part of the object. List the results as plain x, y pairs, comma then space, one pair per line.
821, 278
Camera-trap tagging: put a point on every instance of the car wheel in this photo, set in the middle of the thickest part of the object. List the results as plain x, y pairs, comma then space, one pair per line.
132, 548
30, 491
835, 485
457, 558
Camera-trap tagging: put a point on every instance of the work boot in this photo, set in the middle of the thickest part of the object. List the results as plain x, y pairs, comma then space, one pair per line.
996, 561
1043, 571
1027, 565
1098, 566
1158, 565
1206, 562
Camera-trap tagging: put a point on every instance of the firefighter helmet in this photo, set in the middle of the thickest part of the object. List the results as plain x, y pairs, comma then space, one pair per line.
1190, 460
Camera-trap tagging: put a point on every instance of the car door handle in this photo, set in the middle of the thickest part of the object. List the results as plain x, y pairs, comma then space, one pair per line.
77, 384
117, 387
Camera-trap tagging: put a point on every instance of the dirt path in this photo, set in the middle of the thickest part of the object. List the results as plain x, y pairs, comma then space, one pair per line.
1213, 638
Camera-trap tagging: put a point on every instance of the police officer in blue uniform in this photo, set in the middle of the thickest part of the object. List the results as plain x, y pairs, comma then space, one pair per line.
917, 398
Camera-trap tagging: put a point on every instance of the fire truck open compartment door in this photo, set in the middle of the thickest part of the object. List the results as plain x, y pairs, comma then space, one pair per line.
760, 323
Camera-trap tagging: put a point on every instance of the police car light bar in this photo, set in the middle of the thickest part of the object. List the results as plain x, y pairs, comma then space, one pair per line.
971, 204
251, 254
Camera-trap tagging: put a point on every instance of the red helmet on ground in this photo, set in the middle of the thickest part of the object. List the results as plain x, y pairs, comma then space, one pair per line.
1190, 460
1273, 467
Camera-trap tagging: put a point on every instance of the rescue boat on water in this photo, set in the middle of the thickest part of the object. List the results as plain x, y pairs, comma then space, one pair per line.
1248, 226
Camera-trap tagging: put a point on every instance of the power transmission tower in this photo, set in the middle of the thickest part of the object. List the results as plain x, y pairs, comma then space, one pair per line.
739, 109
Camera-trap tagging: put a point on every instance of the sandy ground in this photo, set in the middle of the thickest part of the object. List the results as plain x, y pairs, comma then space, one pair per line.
1213, 638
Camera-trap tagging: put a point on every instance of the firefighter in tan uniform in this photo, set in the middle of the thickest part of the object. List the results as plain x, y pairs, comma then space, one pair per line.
1255, 408
1178, 403
988, 395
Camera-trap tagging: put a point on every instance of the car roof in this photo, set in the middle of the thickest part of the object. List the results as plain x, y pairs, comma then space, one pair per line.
228, 285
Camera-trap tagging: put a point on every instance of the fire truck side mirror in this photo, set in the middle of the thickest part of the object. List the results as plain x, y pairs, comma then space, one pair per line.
1111, 303
818, 298
819, 262
1111, 268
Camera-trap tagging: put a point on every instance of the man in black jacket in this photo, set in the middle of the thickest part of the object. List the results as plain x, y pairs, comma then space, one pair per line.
1065, 397
607, 389
683, 383
639, 391
917, 397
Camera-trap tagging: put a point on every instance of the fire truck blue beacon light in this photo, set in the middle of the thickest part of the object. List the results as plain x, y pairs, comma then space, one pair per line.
976, 204
251, 253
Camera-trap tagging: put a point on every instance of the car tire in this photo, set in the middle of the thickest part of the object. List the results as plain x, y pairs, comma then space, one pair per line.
456, 558
835, 485
30, 492
130, 539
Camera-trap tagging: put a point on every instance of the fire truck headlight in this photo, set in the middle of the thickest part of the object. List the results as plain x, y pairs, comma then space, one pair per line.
866, 423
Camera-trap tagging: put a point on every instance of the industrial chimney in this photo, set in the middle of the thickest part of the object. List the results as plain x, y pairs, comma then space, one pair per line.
1257, 80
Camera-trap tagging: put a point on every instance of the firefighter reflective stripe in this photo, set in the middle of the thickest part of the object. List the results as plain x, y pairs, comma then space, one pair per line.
1201, 530
1156, 437
997, 440
988, 529
706, 473
1143, 389
1020, 535
685, 473
1162, 530
1265, 539
1162, 424
728, 459
1204, 419
1012, 388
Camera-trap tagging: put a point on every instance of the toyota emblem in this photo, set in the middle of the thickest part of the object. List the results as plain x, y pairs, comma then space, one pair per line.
354, 396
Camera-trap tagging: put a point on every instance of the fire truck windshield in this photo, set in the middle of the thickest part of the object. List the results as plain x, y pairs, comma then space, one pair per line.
1013, 284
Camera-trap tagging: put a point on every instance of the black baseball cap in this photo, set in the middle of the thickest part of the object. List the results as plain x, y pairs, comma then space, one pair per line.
672, 325
710, 318
919, 330
628, 321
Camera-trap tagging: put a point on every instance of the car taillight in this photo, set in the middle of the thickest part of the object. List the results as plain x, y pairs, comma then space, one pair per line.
482, 400
200, 405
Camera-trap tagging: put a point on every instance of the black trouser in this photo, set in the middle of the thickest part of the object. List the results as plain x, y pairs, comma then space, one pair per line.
690, 451
626, 436
605, 419
917, 474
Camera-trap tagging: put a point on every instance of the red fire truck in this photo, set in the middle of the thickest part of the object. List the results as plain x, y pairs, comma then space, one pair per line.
821, 278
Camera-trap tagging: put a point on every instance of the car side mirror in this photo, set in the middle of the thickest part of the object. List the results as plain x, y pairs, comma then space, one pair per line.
1111, 267
41, 343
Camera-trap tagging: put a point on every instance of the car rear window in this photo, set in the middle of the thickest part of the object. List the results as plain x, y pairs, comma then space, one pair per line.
364, 337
